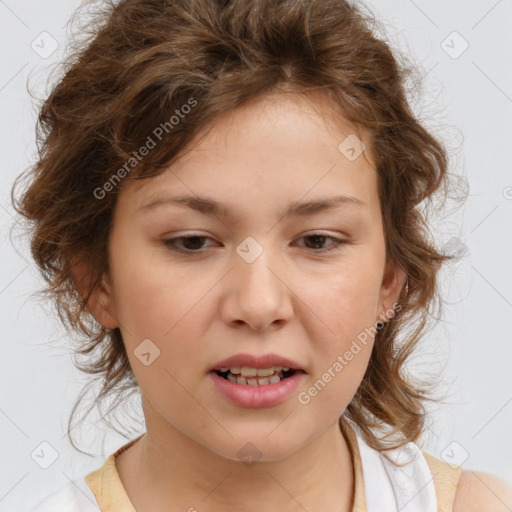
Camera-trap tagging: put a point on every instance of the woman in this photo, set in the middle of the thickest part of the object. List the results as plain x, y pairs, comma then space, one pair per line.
227, 205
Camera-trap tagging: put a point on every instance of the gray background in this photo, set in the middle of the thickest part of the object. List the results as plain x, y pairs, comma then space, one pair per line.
467, 101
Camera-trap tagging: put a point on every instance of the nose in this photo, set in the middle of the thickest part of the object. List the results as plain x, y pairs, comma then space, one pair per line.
257, 295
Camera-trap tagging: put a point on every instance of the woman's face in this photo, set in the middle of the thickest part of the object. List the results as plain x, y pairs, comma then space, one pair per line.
259, 282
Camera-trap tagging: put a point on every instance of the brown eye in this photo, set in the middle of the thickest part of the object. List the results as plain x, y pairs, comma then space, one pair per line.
191, 244
317, 241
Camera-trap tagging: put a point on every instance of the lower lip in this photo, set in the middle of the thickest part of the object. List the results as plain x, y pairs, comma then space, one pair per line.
257, 397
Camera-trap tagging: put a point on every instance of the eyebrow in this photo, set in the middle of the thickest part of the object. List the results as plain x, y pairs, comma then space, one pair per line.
211, 207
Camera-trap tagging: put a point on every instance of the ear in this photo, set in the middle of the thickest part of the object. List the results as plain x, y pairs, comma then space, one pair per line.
393, 281
101, 303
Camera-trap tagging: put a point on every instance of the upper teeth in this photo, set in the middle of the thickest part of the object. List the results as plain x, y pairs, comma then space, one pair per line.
247, 371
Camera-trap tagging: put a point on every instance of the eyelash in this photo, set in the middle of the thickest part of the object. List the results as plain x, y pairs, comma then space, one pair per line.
170, 243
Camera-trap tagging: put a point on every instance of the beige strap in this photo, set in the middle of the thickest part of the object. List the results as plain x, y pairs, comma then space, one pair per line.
107, 486
359, 504
446, 479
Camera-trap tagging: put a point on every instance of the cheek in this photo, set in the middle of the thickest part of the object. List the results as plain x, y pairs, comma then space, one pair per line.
342, 310
340, 350
154, 295
344, 300
169, 307
162, 317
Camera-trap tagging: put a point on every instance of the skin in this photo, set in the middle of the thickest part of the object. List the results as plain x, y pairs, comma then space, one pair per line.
200, 308
482, 492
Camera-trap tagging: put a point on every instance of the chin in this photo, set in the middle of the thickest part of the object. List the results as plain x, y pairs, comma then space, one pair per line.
250, 449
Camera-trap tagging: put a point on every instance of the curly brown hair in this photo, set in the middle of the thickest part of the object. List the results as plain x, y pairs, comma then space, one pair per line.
142, 61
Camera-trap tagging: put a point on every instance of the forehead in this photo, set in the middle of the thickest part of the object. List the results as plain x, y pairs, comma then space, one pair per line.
279, 149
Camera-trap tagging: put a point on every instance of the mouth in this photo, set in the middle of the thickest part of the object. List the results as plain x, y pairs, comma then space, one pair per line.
249, 387
256, 376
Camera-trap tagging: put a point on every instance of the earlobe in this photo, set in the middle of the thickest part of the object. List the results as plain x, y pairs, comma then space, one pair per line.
393, 282
101, 302
102, 305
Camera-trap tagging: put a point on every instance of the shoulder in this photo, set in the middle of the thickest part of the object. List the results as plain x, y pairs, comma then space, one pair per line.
482, 492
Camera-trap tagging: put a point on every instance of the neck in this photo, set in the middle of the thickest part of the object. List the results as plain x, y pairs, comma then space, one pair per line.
166, 467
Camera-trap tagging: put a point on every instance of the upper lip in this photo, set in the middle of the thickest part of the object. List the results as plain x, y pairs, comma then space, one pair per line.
264, 361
